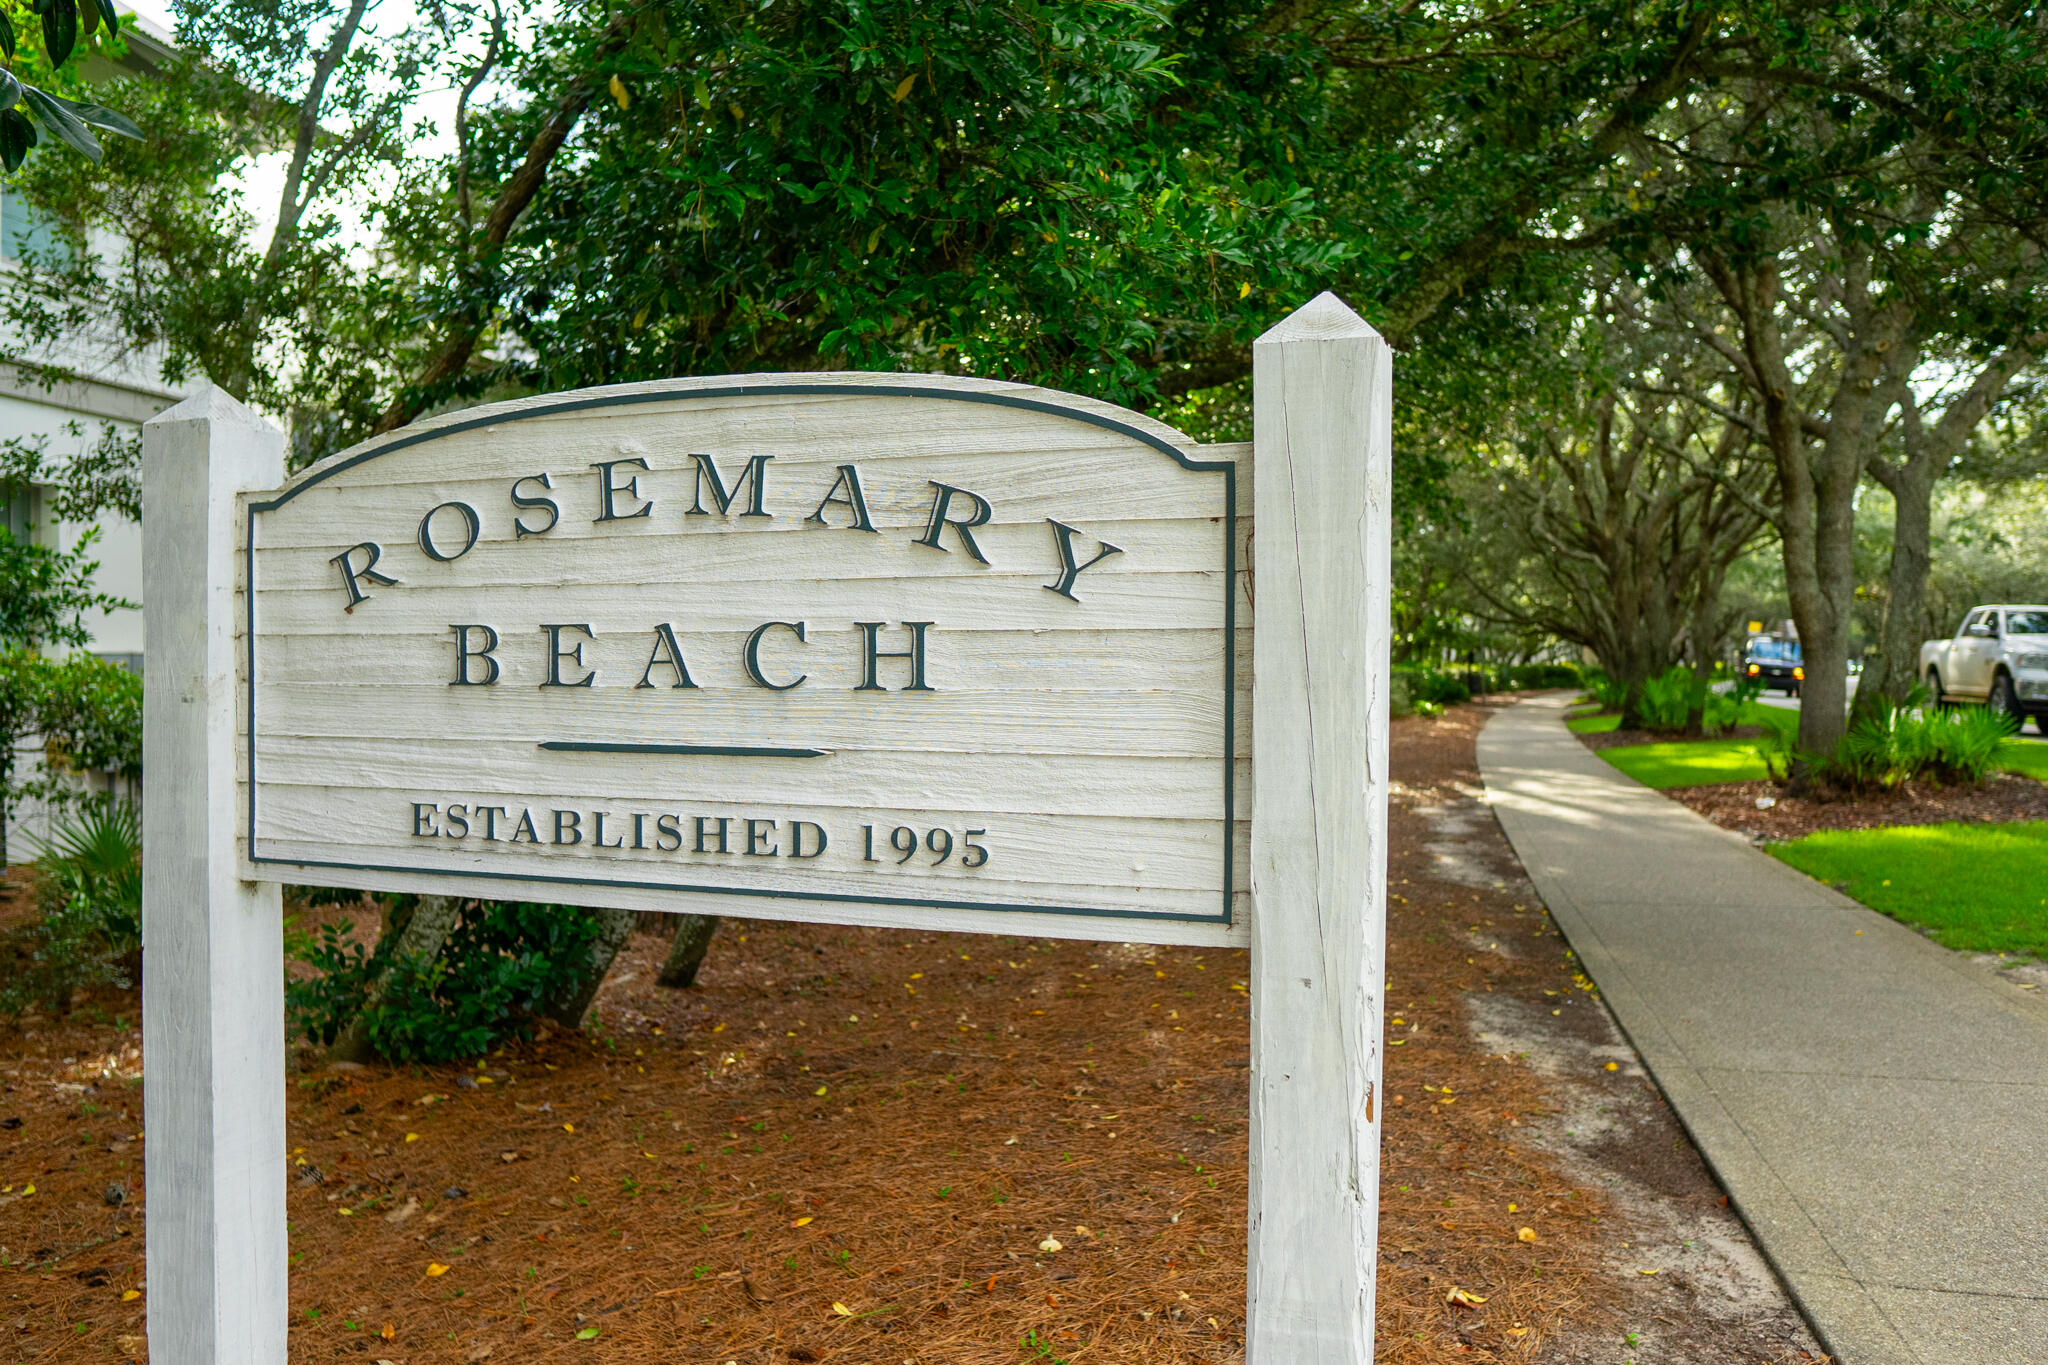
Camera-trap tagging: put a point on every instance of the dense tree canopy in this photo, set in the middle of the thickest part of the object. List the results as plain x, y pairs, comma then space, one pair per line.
1803, 239
1057, 188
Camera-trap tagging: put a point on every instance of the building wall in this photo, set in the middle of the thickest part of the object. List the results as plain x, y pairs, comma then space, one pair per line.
119, 550
107, 386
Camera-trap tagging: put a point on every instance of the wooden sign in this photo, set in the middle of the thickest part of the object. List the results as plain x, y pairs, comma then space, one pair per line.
871, 649
868, 649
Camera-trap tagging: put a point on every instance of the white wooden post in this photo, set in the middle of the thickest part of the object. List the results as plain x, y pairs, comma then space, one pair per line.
1322, 452
213, 955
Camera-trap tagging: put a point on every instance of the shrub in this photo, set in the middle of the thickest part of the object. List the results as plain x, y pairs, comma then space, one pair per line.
1890, 745
1441, 688
503, 962
1669, 699
1400, 695
89, 896
1429, 686
1517, 676
1604, 688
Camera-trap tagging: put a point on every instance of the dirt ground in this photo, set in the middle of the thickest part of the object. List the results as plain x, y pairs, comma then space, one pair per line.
894, 1147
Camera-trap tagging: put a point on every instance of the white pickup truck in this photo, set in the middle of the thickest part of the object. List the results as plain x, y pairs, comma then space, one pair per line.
1999, 656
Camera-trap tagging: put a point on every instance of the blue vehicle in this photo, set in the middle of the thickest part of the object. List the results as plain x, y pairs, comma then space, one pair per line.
1775, 662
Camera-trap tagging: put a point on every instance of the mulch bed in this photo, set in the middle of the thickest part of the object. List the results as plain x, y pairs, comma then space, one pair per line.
860, 1145
1733, 805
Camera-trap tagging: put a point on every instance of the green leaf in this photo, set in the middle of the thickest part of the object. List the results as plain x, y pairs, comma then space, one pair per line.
61, 121
587, 1334
60, 30
90, 20
17, 135
7, 36
10, 90
111, 15
99, 116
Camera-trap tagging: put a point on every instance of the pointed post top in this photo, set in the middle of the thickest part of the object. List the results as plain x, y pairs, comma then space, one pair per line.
1323, 318
212, 403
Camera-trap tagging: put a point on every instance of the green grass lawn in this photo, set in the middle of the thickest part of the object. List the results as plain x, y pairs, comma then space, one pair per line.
1977, 888
2026, 757
1690, 763
1753, 713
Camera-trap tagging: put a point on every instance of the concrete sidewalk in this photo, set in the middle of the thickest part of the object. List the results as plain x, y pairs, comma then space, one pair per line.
1876, 1106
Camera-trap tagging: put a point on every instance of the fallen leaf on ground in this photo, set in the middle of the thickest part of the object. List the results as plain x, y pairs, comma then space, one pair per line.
587, 1334
1464, 1298
435, 1268
842, 1310
802, 1222
1526, 1235
1050, 1244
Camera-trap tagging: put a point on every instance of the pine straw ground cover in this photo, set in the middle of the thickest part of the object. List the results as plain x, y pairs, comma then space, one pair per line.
895, 1147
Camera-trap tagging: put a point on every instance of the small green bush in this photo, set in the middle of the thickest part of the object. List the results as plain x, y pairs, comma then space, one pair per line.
1605, 689
1891, 745
1400, 695
89, 895
1669, 699
1429, 686
502, 964
1519, 676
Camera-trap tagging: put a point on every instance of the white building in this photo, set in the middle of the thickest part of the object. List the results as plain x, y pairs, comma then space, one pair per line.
104, 385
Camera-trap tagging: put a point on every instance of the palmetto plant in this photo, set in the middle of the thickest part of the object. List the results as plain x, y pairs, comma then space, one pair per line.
94, 857
1893, 744
89, 890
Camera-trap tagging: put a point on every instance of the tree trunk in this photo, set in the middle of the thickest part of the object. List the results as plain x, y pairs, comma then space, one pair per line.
1823, 620
1896, 668
686, 954
421, 931
1696, 708
569, 1007
1637, 663
1632, 717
